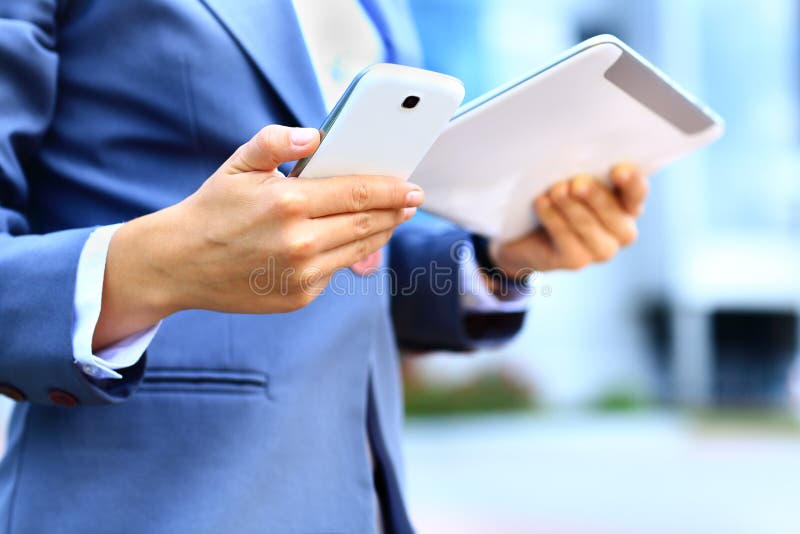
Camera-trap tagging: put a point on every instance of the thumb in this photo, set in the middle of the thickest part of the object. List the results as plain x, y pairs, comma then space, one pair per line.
274, 145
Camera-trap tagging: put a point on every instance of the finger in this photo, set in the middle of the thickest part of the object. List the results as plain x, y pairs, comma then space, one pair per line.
272, 146
337, 230
570, 250
602, 245
349, 194
632, 187
350, 253
606, 207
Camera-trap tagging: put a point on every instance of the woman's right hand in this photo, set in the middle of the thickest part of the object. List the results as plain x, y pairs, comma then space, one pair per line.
249, 240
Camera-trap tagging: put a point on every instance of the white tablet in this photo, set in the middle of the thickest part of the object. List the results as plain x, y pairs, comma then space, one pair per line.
597, 105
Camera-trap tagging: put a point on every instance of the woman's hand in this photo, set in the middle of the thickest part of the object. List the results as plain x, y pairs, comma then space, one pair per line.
583, 222
249, 240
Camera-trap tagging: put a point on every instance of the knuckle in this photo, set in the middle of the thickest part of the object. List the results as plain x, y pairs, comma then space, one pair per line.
361, 249
290, 203
560, 200
600, 198
559, 193
264, 138
359, 195
301, 246
362, 223
398, 192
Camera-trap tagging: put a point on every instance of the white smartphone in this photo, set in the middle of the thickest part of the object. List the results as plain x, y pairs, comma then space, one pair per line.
384, 123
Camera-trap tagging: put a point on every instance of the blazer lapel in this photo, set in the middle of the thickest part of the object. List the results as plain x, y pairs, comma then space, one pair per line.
269, 33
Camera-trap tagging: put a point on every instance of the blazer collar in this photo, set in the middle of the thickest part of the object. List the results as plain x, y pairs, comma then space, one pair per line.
269, 33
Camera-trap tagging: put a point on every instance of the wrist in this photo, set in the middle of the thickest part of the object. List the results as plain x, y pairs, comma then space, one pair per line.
151, 252
514, 271
140, 281
495, 275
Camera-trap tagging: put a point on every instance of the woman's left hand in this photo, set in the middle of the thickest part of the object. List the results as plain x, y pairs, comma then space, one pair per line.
584, 221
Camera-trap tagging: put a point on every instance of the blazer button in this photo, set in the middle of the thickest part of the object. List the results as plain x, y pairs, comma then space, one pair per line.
62, 398
12, 393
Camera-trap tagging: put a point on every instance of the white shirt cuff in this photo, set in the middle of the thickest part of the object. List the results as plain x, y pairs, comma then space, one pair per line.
475, 294
88, 298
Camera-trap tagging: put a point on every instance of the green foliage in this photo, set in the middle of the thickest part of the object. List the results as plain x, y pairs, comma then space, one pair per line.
745, 420
492, 392
620, 399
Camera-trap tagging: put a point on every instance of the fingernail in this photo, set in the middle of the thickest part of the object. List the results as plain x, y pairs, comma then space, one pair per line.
408, 213
580, 186
622, 174
303, 136
414, 198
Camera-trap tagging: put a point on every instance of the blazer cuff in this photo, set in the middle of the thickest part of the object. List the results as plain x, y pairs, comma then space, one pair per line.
476, 297
37, 292
427, 304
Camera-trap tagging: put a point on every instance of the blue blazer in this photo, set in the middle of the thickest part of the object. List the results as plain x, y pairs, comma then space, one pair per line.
231, 423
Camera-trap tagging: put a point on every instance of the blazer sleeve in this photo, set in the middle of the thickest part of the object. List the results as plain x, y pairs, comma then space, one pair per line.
37, 272
427, 303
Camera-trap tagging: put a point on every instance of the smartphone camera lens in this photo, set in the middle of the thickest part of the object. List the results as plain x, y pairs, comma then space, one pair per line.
411, 102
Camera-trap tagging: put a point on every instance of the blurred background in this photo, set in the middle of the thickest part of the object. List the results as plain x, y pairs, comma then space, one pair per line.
659, 392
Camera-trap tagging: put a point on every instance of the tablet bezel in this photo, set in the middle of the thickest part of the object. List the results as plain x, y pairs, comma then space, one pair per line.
692, 112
